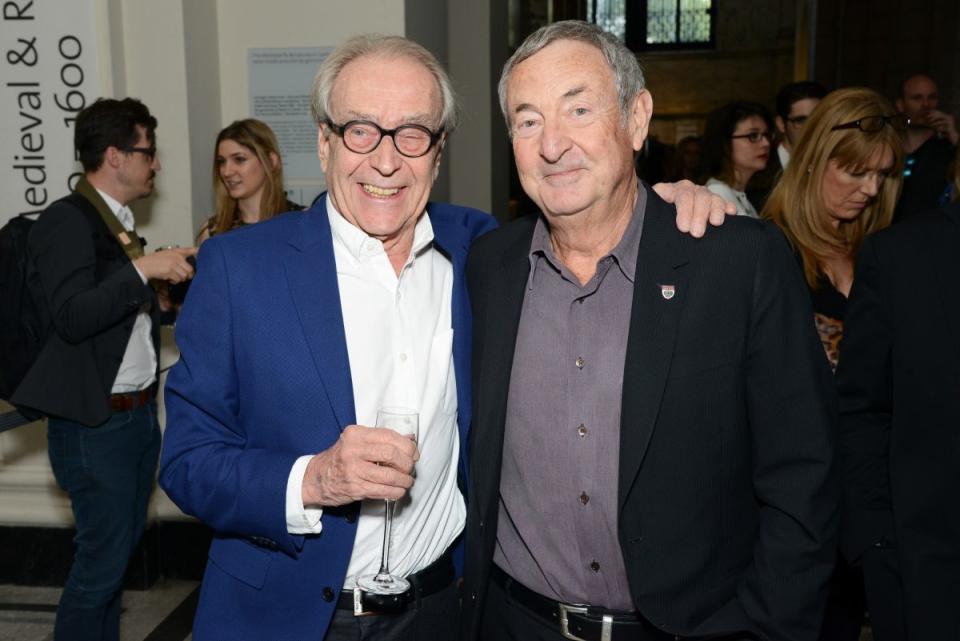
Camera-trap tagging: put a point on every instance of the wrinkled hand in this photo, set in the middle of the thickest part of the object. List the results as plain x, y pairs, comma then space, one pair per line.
364, 463
695, 206
167, 264
945, 124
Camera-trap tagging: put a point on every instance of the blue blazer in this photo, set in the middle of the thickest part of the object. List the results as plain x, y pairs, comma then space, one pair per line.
264, 378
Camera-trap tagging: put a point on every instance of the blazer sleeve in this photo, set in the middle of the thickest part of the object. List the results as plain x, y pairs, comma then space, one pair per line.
65, 259
208, 466
866, 409
792, 412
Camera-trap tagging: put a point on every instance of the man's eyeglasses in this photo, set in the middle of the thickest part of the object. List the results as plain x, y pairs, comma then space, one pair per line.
870, 124
797, 121
363, 136
150, 152
756, 136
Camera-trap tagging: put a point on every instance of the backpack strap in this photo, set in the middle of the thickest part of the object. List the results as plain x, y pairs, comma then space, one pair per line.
129, 241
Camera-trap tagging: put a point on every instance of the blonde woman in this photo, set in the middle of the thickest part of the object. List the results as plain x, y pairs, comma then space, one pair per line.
841, 184
247, 178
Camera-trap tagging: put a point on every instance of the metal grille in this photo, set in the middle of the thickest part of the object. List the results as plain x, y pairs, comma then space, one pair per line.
609, 15
694, 20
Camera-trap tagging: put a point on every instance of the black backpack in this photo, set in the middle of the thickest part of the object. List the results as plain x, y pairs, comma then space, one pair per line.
25, 321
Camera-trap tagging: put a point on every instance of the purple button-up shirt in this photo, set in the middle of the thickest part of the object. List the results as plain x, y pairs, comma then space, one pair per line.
557, 531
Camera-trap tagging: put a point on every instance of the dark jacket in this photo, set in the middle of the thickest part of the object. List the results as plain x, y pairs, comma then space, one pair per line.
94, 294
728, 507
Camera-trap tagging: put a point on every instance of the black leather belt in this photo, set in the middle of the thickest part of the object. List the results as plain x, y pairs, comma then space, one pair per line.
579, 622
430, 580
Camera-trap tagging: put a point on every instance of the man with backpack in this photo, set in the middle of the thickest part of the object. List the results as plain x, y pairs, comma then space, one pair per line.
96, 375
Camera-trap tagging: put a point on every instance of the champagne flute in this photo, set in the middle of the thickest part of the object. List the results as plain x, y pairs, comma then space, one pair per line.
405, 422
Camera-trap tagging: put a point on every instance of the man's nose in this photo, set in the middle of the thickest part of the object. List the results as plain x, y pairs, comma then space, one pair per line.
385, 158
554, 141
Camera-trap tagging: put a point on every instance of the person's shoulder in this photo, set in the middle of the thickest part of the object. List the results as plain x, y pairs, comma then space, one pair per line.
274, 231
518, 230
918, 233
468, 217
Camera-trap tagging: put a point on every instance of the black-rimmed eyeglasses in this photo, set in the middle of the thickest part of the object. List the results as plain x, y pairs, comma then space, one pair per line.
870, 124
363, 136
755, 136
150, 152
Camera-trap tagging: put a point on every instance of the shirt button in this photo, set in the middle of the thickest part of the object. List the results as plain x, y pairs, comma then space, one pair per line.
582, 430
584, 498
327, 594
579, 362
403, 357
594, 566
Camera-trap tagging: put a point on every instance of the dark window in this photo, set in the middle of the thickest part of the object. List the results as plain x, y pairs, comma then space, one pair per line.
657, 25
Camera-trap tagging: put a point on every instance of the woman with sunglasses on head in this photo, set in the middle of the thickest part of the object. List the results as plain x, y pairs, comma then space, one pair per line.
841, 184
247, 178
735, 146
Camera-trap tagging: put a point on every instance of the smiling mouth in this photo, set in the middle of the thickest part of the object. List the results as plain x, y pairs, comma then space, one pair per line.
380, 192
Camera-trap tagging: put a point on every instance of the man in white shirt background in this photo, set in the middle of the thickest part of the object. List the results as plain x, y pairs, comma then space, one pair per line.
795, 102
96, 376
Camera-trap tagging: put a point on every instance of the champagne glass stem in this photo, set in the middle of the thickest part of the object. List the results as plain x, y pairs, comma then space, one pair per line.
388, 528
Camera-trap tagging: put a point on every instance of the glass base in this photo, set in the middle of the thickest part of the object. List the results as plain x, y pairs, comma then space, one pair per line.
383, 584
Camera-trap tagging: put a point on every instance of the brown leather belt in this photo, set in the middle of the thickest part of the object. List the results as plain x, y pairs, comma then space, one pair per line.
132, 400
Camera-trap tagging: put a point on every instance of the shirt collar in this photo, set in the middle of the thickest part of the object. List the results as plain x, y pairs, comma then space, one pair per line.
360, 245
624, 254
783, 155
114, 205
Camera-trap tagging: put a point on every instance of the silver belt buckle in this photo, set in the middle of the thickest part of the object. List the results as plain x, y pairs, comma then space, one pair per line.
358, 603
606, 627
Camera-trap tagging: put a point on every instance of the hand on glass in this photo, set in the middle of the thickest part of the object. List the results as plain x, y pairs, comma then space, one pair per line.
406, 423
364, 463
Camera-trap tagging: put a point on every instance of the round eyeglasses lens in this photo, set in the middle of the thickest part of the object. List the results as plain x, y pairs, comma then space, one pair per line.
361, 137
412, 141
899, 122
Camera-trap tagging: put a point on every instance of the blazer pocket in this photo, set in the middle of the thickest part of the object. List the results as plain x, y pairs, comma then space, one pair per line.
241, 560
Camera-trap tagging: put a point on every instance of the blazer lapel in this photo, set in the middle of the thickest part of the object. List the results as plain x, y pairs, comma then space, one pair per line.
660, 290
312, 275
499, 325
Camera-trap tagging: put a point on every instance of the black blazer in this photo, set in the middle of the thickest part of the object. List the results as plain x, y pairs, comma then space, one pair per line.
899, 383
728, 508
94, 293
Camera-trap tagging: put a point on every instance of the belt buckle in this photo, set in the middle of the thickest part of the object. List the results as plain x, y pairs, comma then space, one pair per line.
606, 627
358, 604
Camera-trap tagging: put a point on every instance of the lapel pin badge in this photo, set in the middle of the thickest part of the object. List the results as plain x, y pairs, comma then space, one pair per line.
668, 291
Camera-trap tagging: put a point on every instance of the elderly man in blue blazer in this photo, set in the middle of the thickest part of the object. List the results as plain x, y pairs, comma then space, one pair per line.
295, 333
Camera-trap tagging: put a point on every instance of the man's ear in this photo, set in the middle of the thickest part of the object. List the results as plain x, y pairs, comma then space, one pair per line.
641, 110
112, 157
781, 126
898, 103
323, 147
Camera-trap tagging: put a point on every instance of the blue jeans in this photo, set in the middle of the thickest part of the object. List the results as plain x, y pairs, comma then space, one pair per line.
108, 471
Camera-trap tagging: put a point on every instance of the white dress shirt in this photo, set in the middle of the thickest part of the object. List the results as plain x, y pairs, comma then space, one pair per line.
739, 198
400, 344
138, 370
783, 155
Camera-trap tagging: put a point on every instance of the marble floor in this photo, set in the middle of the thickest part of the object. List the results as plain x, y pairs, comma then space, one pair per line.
162, 613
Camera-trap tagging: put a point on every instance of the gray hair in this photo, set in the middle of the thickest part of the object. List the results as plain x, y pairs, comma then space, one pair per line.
386, 47
623, 63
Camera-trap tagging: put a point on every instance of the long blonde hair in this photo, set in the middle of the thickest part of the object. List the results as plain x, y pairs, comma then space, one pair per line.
796, 204
256, 136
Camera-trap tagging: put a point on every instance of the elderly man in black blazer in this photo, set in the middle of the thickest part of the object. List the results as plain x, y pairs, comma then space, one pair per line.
95, 377
652, 447
899, 448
